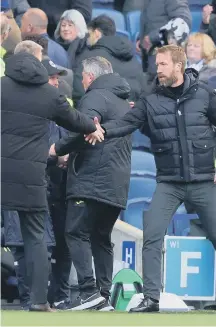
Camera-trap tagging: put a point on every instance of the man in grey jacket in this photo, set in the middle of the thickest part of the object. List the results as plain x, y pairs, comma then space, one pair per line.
155, 15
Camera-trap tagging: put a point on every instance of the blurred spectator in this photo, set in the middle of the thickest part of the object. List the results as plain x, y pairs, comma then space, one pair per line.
103, 42
5, 30
34, 22
96, 189
208, 25
201, 55
14, 36
19, 7
71, 33
68, 78
57, 177
65, 79
55, 8
128, 5
28, 102
155, 16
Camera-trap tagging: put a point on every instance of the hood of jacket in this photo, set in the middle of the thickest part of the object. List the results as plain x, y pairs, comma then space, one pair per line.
113, 83
118, 47
25, 68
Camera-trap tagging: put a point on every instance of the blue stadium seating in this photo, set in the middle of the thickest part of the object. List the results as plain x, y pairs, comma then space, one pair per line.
117, 16
133, 23
123, 33
140, 141
142, 164
141, 187
196, 19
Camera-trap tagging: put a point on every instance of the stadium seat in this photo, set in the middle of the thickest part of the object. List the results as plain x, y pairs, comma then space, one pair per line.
105, 4
117, 16
141, 187
142, 164
140, 141
133, 23
196, 19
123, 33
135, 209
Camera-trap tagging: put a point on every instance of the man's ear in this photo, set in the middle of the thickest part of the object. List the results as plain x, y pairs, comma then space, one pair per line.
98, 34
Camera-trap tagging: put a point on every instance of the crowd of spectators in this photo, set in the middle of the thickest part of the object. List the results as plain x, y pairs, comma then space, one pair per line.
68, 38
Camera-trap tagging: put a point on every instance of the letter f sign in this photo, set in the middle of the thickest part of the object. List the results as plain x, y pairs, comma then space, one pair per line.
185, 269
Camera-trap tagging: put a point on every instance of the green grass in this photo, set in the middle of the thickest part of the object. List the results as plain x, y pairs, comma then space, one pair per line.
20, 318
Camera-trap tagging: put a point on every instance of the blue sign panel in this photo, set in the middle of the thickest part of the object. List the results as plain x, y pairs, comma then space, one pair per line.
189, 268
129, 253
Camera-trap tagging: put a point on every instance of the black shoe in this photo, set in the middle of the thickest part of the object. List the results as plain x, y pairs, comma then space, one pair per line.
86, 302
147, 305
41, 308
106, 306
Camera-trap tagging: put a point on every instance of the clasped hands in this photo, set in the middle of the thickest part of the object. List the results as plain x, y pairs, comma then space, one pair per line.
97, 136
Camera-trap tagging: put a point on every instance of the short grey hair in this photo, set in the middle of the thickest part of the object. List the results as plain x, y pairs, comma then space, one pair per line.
97, 66
27, 46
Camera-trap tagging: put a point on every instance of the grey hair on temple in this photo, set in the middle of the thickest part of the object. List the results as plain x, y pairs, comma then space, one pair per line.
97, 66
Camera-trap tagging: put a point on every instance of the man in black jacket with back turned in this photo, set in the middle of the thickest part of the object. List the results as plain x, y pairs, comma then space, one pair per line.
179, 115
97, 185
28, 103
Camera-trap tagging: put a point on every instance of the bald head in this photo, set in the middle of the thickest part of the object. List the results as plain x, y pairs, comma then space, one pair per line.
34, 21
5, 27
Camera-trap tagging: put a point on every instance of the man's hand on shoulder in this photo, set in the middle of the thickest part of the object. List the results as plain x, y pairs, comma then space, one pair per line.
98, 135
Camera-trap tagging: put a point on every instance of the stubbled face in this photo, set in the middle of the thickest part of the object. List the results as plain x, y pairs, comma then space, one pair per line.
54, 80
68, 31
166, 69
194, 51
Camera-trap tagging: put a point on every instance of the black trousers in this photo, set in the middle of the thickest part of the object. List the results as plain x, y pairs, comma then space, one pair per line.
89, 225
61, 266
166, 199
36, 255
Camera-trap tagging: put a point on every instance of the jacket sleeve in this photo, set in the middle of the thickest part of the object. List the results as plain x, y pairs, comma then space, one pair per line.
91, 106
211, 113
174, 9
73, 120
133, 120
83, 6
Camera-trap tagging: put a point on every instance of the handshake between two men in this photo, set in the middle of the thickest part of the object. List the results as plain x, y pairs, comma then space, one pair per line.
97, 136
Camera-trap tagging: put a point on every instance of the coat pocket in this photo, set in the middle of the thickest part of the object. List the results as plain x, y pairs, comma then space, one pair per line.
163, 155
203, 153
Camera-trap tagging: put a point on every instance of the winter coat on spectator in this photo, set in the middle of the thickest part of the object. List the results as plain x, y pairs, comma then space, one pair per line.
12, 231
156, 14
19, 7
181, 131
210, 28
2, 63
28, 104
128, 5
55, 8
57, 177
56, 52
207, 71
100, 172
119, 52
